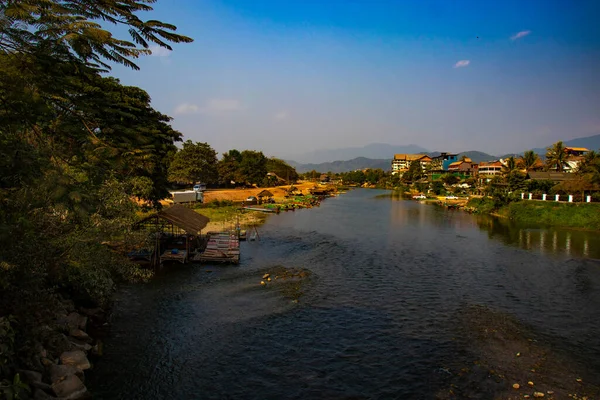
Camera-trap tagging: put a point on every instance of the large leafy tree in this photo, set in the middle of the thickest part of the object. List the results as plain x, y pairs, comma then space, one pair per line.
75, 146
228, 167
556, 156
282, 169
253, 167
195, 162
73, 28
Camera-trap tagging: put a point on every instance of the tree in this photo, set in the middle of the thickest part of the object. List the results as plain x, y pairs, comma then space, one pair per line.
414, 173
509, 166
228, 167
195, 162
589, 168
282, 169
529, 160
253, 167
556, 156
70, 29
449, 179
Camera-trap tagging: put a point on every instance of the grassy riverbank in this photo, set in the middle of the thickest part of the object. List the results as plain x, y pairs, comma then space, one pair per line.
566, 215
226, 217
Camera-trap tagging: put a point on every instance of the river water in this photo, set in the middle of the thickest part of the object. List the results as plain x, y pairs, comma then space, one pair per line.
378, 317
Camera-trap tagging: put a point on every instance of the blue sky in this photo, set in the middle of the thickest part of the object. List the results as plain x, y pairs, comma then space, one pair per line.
288, 77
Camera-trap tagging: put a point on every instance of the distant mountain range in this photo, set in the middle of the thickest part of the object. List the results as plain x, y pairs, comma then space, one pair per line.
373, 150
379, 155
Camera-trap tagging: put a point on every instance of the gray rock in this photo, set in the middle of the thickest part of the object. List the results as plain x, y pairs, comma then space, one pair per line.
75, 358
76, 321
60, 372
70, 388
80, 335
80, 345
55, 342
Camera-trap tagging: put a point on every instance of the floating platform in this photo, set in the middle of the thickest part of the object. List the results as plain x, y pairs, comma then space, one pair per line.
222, 247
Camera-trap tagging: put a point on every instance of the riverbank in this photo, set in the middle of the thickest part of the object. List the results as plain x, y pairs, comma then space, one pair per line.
563, 215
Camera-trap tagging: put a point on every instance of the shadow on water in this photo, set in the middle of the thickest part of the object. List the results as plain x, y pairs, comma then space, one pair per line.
382, 315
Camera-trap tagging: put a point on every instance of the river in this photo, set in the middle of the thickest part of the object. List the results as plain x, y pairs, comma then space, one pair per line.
382, 314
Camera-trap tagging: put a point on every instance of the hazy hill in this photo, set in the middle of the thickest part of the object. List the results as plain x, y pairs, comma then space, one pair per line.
374, 151
344, 166
589, 142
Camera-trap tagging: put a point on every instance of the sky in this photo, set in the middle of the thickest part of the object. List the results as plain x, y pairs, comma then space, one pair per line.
288, 77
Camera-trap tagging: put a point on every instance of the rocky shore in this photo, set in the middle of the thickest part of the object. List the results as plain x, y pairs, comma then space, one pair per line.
62, 354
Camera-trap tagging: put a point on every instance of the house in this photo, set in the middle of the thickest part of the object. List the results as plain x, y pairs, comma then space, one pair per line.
401, 162
443, 161
554, 176
464, 167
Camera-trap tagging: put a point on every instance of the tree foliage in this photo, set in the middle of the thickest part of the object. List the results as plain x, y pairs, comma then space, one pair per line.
556, 156
73, 31
529, 160
195, 162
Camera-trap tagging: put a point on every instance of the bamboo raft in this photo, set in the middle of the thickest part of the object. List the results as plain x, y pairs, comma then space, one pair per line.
222, 247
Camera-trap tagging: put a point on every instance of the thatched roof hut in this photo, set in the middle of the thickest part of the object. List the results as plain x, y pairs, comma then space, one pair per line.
183, 218
264, 193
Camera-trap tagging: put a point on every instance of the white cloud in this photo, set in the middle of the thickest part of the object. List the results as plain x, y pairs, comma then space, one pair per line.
158, 51
462, 63
213, 106
519, 35
281, 115
221, 105
186, 108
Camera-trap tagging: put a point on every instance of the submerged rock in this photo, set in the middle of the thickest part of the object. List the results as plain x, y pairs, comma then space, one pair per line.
60, 372
70, 388
76, 358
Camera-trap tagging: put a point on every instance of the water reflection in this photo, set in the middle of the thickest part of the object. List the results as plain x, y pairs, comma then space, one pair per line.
573, 243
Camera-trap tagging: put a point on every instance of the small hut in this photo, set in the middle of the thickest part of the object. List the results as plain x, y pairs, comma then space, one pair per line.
175, 231
263, 194
293, 191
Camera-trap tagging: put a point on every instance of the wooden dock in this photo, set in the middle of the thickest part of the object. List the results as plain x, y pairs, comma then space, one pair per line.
222, 247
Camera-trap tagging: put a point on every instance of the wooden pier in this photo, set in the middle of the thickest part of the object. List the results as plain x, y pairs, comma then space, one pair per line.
221, 247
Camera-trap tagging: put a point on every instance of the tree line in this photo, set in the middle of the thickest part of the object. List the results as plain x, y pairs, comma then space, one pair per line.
198, 162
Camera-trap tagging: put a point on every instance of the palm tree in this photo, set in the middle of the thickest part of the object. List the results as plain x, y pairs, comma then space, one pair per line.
529, 160
556, 156
590, 167
510, 165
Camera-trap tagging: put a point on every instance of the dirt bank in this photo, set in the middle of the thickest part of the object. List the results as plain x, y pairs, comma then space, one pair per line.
241, 194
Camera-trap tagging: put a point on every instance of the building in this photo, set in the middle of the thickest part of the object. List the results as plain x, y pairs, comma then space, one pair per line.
463, 167
487, 170
576, 151
401, 162
443, 161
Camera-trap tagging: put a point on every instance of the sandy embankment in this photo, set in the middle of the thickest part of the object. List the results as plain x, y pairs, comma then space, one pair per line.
224, 219
242, 194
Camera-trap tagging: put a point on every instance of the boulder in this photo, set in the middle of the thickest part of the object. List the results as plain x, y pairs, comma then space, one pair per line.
70, 388
55, 342
75, 358
80, 335
60, 372
80, 345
